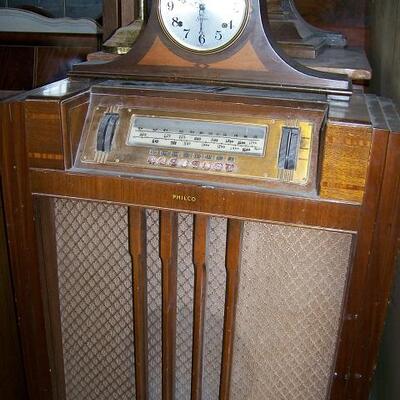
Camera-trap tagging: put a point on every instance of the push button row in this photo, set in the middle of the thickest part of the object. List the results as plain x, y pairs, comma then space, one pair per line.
192, 164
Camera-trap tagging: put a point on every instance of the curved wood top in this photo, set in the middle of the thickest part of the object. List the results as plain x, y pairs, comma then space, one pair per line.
252, 61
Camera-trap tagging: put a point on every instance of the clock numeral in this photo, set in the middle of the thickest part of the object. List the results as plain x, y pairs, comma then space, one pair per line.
176, 22
202, 39
218, 35
226, 25
187, 31
170, 6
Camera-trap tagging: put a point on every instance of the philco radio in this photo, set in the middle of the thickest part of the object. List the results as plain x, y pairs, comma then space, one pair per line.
201, 218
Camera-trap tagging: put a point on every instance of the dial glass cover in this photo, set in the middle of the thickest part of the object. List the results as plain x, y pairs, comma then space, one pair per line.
204, 25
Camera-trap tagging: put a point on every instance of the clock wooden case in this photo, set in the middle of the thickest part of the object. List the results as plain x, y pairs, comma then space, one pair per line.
253, 60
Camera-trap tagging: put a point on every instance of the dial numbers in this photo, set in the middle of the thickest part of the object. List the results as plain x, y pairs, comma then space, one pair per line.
205, 25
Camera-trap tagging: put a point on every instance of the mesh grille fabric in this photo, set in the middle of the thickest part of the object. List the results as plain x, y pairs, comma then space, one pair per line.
95, 290
215, 308
290, 299
291, 292
185, 298
154, 305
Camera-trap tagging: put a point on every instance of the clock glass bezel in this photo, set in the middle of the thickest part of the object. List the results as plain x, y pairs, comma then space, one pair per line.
213, 50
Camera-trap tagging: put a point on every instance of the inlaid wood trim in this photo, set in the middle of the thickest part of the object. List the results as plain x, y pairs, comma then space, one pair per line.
169, 260
138, 251
200, 243
233, 258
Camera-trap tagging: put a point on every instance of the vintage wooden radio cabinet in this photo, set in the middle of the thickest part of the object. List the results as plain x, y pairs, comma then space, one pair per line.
201, 219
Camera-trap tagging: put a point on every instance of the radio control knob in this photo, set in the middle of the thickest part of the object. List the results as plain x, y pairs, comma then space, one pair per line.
162, 161
229, 167
152, 160
218, 166
183, 163
289, 148
173, 162
106, 132
206, 166
195, 164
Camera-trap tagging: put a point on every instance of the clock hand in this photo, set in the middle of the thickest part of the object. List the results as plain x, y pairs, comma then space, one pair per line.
202, 8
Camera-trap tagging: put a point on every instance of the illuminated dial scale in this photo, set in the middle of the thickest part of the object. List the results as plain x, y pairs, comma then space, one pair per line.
196, 135
245, 148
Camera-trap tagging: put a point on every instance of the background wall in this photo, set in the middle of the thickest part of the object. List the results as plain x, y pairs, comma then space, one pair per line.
62, 8
385, 47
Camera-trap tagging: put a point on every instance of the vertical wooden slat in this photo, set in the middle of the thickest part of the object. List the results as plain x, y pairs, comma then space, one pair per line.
137, 248
169, 255
200, 240
233, 258
47, 251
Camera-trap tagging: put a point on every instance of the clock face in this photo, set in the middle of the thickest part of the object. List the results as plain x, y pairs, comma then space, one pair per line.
204, 25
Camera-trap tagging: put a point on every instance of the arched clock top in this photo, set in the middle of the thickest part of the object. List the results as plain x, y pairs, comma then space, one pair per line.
224, 42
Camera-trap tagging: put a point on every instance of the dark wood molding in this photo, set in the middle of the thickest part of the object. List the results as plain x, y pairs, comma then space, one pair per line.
137, 246
352, 314
169, 261
292, 210
381, 269
233, 259
23, 250
12, 374
200, 243
47, 252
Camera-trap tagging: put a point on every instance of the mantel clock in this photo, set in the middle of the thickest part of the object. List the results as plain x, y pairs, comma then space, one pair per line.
201, 218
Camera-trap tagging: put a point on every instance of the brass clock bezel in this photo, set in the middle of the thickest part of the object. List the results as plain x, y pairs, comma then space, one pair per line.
204, 52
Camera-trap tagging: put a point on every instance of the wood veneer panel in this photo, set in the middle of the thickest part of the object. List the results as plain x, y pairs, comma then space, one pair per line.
44, 134
200, 244
138, 250
47, 250
215, 201
233, 259
12, 379
169, 260
23, 250
346, 156
381, 269
351, 335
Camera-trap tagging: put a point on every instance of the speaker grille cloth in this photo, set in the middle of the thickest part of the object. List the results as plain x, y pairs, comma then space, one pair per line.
290, 300
95, 289
154, 308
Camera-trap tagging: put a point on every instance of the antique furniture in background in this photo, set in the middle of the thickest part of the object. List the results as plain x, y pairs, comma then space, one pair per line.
315, 48
297, 37
201, 224
36, 50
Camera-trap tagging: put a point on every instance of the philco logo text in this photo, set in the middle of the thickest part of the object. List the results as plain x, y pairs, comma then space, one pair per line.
185, 198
